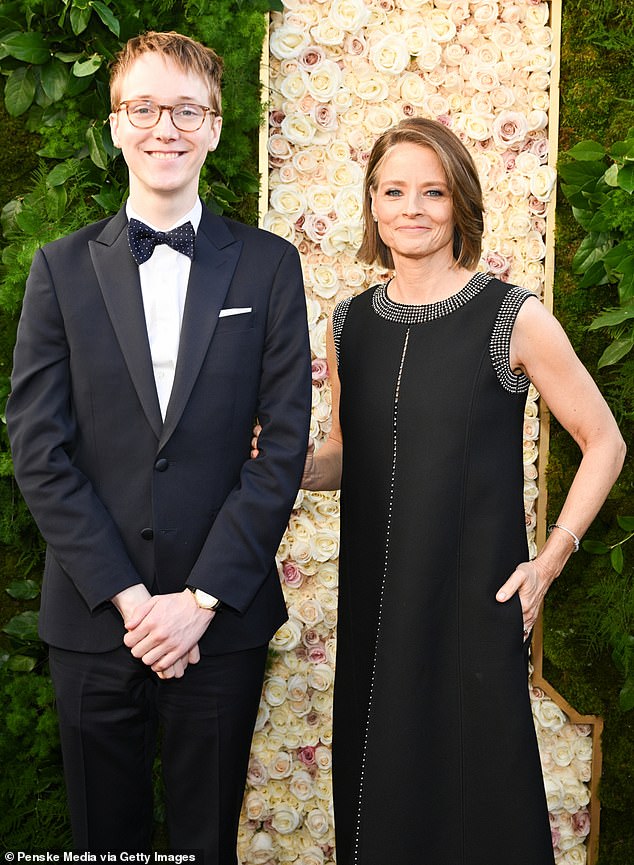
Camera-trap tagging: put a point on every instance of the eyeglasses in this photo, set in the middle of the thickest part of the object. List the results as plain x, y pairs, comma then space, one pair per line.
186, 116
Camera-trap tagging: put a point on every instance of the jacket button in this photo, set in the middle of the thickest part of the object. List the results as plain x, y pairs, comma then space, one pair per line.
147, 534
161, 465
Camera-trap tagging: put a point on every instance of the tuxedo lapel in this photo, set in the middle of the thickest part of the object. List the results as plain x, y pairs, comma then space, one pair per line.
118, 277
215, 261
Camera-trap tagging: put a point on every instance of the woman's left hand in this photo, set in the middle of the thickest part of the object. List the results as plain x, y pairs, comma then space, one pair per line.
531, 584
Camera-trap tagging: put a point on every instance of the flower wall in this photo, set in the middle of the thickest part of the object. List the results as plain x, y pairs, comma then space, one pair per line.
342, 72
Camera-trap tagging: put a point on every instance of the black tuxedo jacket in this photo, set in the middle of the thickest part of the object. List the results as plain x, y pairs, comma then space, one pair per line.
122, 497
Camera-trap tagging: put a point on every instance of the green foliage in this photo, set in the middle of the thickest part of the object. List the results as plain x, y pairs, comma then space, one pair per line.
579, 638
598, 183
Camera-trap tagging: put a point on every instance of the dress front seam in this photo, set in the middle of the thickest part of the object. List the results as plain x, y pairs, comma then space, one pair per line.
381, 596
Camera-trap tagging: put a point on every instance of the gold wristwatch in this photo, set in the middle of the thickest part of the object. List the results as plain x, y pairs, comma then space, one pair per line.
204, 600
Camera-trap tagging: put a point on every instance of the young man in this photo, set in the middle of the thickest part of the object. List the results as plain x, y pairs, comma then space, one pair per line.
138, 373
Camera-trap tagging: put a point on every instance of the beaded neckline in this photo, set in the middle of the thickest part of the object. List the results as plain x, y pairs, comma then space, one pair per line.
405, 313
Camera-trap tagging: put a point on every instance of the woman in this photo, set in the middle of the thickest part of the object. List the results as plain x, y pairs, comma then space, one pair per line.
435, 758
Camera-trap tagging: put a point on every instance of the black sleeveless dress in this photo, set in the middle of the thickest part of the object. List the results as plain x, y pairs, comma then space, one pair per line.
435, 758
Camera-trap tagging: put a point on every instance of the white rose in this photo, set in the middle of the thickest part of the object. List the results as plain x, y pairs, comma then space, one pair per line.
321, 677
536, 16
390, 55
436, 105
380, 118
430, 57
262, 716
348, 204
327, 33
562, 753
319, 199
548, 714
285, 819
256, 806
299, 129
301, 785
288, 636
289, 200
294, 86
474, 126
542, 182
341, 239
485, 13
323, 280
261, 849
371, 89
311, 856
325, 545
317, 823
280, 224
440, 27
554, 792
344, 173
327, 575
540, 60
412, 88
518, 223
324, 81
502, 97
286, 42
349, 15
274, 691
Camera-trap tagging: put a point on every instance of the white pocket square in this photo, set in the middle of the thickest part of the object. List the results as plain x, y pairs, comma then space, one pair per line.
238, 310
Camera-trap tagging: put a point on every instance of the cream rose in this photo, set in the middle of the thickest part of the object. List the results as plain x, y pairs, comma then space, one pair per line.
324, 81
299, 129
349, 15
390, 55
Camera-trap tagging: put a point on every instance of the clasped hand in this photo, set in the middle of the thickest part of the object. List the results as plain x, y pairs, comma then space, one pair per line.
164, 631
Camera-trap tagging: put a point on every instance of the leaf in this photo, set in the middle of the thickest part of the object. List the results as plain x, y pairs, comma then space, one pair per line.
617, 350
21, 663
87, 67
596, 274
23, 626
19, 91
79, 18
617, 559
625, 178
626, 287
29, 221
591, 249
28, 47
587, 151
23, 590
54, 77
61, 172
595, 547
626, 696
626, 523
612, 317
96, 147
56, 199
107, 16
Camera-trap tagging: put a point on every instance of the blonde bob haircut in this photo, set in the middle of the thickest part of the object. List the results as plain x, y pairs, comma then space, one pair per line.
187, 54
462, 181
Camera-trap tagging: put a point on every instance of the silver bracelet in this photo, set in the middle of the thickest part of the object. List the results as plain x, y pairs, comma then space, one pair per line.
575, 539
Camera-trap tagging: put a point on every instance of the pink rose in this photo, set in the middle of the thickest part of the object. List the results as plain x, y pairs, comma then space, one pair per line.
317, 654
581, 823
307, 755
293, 577
319, 369
311, 56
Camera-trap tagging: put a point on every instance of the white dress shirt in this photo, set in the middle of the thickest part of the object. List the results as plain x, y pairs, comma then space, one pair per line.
164, 277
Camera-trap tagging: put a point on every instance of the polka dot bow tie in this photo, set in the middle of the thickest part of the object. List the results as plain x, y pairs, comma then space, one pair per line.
143, 239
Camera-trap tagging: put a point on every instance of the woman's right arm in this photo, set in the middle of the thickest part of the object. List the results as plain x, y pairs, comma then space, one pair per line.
322, 470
